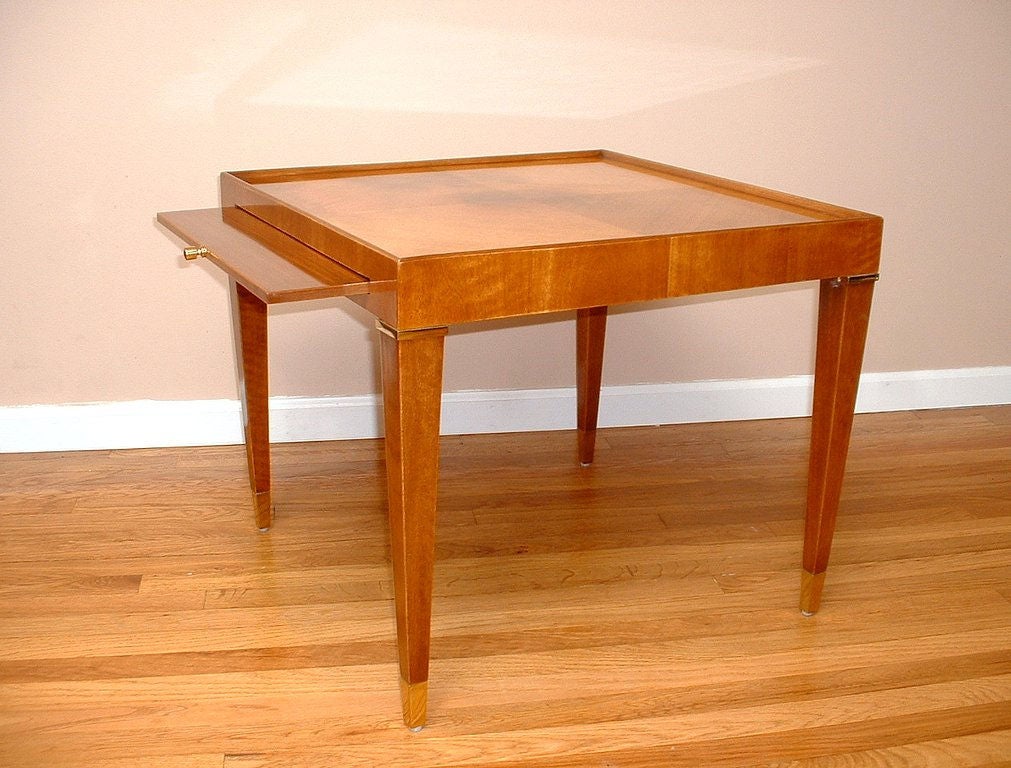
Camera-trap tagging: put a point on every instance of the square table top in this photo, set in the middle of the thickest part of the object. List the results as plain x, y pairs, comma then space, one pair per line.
457, 210
431, 243
487, 204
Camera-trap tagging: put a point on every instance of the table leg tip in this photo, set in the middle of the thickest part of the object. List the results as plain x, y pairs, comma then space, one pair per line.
414, 697
264, 510
811, 585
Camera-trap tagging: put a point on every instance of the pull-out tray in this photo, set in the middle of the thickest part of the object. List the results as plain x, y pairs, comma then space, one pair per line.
273, 266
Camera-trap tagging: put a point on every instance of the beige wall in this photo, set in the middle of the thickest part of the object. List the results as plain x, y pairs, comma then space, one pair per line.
111, 111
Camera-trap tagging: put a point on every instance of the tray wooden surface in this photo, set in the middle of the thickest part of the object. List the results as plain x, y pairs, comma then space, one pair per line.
481, 238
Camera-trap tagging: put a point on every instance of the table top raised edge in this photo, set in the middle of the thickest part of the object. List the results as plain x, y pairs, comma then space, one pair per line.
240, 189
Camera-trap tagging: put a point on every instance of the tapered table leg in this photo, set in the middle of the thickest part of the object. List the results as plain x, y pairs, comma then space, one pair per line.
591, 324
843, 311
249, 325
412, 395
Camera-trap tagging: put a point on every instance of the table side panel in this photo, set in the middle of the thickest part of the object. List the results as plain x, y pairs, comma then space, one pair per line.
459, 288
382, 304
709, 262
336, 245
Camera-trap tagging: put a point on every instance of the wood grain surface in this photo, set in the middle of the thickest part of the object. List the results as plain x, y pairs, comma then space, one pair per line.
637, 612
479, 238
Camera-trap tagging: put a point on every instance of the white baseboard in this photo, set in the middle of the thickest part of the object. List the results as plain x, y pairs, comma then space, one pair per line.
150, 423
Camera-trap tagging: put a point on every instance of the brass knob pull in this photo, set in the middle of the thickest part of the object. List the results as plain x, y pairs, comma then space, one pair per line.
194, 253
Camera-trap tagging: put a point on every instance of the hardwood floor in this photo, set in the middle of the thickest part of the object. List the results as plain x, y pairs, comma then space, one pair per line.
642, 612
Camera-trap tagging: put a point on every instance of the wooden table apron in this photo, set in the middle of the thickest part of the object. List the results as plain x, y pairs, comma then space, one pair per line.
276, 251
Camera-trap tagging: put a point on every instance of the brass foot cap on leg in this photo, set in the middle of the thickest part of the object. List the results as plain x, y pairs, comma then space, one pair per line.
810, 592
264, 511
414, 698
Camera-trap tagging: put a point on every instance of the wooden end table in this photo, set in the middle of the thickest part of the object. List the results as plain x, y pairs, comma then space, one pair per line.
424, 245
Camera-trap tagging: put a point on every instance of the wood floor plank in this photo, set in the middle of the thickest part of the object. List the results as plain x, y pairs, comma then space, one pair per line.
978, 704
976, 750
640, 612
